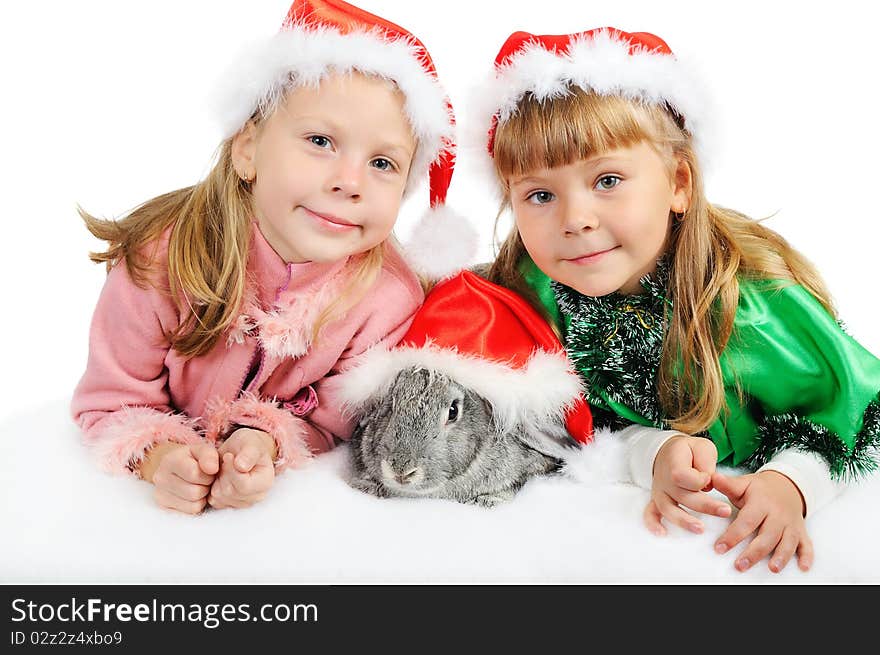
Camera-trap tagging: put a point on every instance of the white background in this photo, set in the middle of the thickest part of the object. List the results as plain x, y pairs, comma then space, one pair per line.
104, 105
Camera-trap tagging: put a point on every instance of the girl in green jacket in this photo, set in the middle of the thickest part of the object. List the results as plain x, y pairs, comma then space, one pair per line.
678, 314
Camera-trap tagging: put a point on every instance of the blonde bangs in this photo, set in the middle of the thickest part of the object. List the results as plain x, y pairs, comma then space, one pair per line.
565, 129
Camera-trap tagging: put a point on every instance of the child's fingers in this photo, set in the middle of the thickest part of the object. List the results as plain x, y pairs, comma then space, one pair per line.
732, 487
207, 458
675, 514
171, 483
234, 482
218, 502
259, 480
234, 489
652, 518
224, 502
743, 525
185, 490
247, 457
170, 501
183, 470
805, 553
768, 537
230, 485
784, 551
190, 472
705, 456
227, 468
690, 478
703, 503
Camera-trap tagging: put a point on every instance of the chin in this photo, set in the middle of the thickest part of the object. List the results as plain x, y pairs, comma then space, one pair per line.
326, 253
593, 288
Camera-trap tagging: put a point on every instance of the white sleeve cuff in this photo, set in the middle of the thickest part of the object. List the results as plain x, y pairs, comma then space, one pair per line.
810, 474
643, 443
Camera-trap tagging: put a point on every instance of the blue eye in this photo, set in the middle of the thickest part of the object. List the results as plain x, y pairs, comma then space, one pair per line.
320, 141
382, 164
540, 197
607, 182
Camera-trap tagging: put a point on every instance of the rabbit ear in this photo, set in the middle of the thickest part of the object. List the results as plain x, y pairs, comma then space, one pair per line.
497, 429
549, 439
364, 406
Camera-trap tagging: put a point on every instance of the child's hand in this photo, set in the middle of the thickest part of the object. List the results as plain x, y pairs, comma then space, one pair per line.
182, 475
771, 503
682, 473
246, 469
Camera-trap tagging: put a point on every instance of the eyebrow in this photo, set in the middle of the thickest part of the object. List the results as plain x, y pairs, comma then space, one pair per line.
522, 180
395, 149
602, 160
388, 146
598, 161
319, 119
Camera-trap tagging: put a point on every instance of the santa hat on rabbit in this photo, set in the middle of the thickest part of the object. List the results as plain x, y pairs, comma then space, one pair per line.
490, 340
321, 37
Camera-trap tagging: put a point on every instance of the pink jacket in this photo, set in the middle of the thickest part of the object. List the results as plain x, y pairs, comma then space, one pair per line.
137, 391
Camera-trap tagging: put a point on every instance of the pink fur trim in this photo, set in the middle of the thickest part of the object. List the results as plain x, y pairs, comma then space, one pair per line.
286, 330
287, 430
241, 328
218, 418
124, 437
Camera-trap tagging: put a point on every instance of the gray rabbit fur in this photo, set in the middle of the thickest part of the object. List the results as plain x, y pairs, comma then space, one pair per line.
429, 437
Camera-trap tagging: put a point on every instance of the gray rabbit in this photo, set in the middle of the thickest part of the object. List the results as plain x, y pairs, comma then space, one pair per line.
430, 437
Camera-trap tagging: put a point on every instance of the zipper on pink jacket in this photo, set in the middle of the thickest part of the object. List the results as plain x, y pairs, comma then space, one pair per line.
247, 385
249, 380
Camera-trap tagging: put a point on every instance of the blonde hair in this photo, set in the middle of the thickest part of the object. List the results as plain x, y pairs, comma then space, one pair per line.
207, 253
710, 248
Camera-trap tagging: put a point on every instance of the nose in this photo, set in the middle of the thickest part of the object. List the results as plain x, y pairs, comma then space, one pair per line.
403, 475
408, 475
347, 178
579, 216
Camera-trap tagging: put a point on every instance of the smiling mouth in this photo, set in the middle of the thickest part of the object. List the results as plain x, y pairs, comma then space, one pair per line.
591, 257
332, 221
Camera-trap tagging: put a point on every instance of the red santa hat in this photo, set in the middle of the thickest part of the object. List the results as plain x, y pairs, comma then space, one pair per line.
606, 61
321, 37
491, 341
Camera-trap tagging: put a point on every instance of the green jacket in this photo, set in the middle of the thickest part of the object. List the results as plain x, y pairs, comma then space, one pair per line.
805, 383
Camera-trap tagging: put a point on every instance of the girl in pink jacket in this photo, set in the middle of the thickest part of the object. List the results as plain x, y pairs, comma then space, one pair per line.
233, 307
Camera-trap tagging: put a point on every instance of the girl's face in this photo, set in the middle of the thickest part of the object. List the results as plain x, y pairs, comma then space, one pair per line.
600, 224
331, 164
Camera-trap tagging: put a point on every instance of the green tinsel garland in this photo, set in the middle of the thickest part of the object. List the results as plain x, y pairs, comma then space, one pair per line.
790, 431
615, 342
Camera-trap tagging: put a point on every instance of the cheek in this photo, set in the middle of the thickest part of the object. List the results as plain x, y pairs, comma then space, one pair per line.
283, 172
536, 237
642, 222
387, 207
274, 185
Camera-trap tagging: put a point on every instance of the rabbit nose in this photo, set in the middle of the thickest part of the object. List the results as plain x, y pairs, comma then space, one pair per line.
409, 475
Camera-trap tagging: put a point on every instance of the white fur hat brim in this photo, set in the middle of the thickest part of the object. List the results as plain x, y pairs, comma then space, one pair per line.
301, 55
602, 63
541, 390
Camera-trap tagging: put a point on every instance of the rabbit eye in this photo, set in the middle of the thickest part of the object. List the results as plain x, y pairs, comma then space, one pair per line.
453, 412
